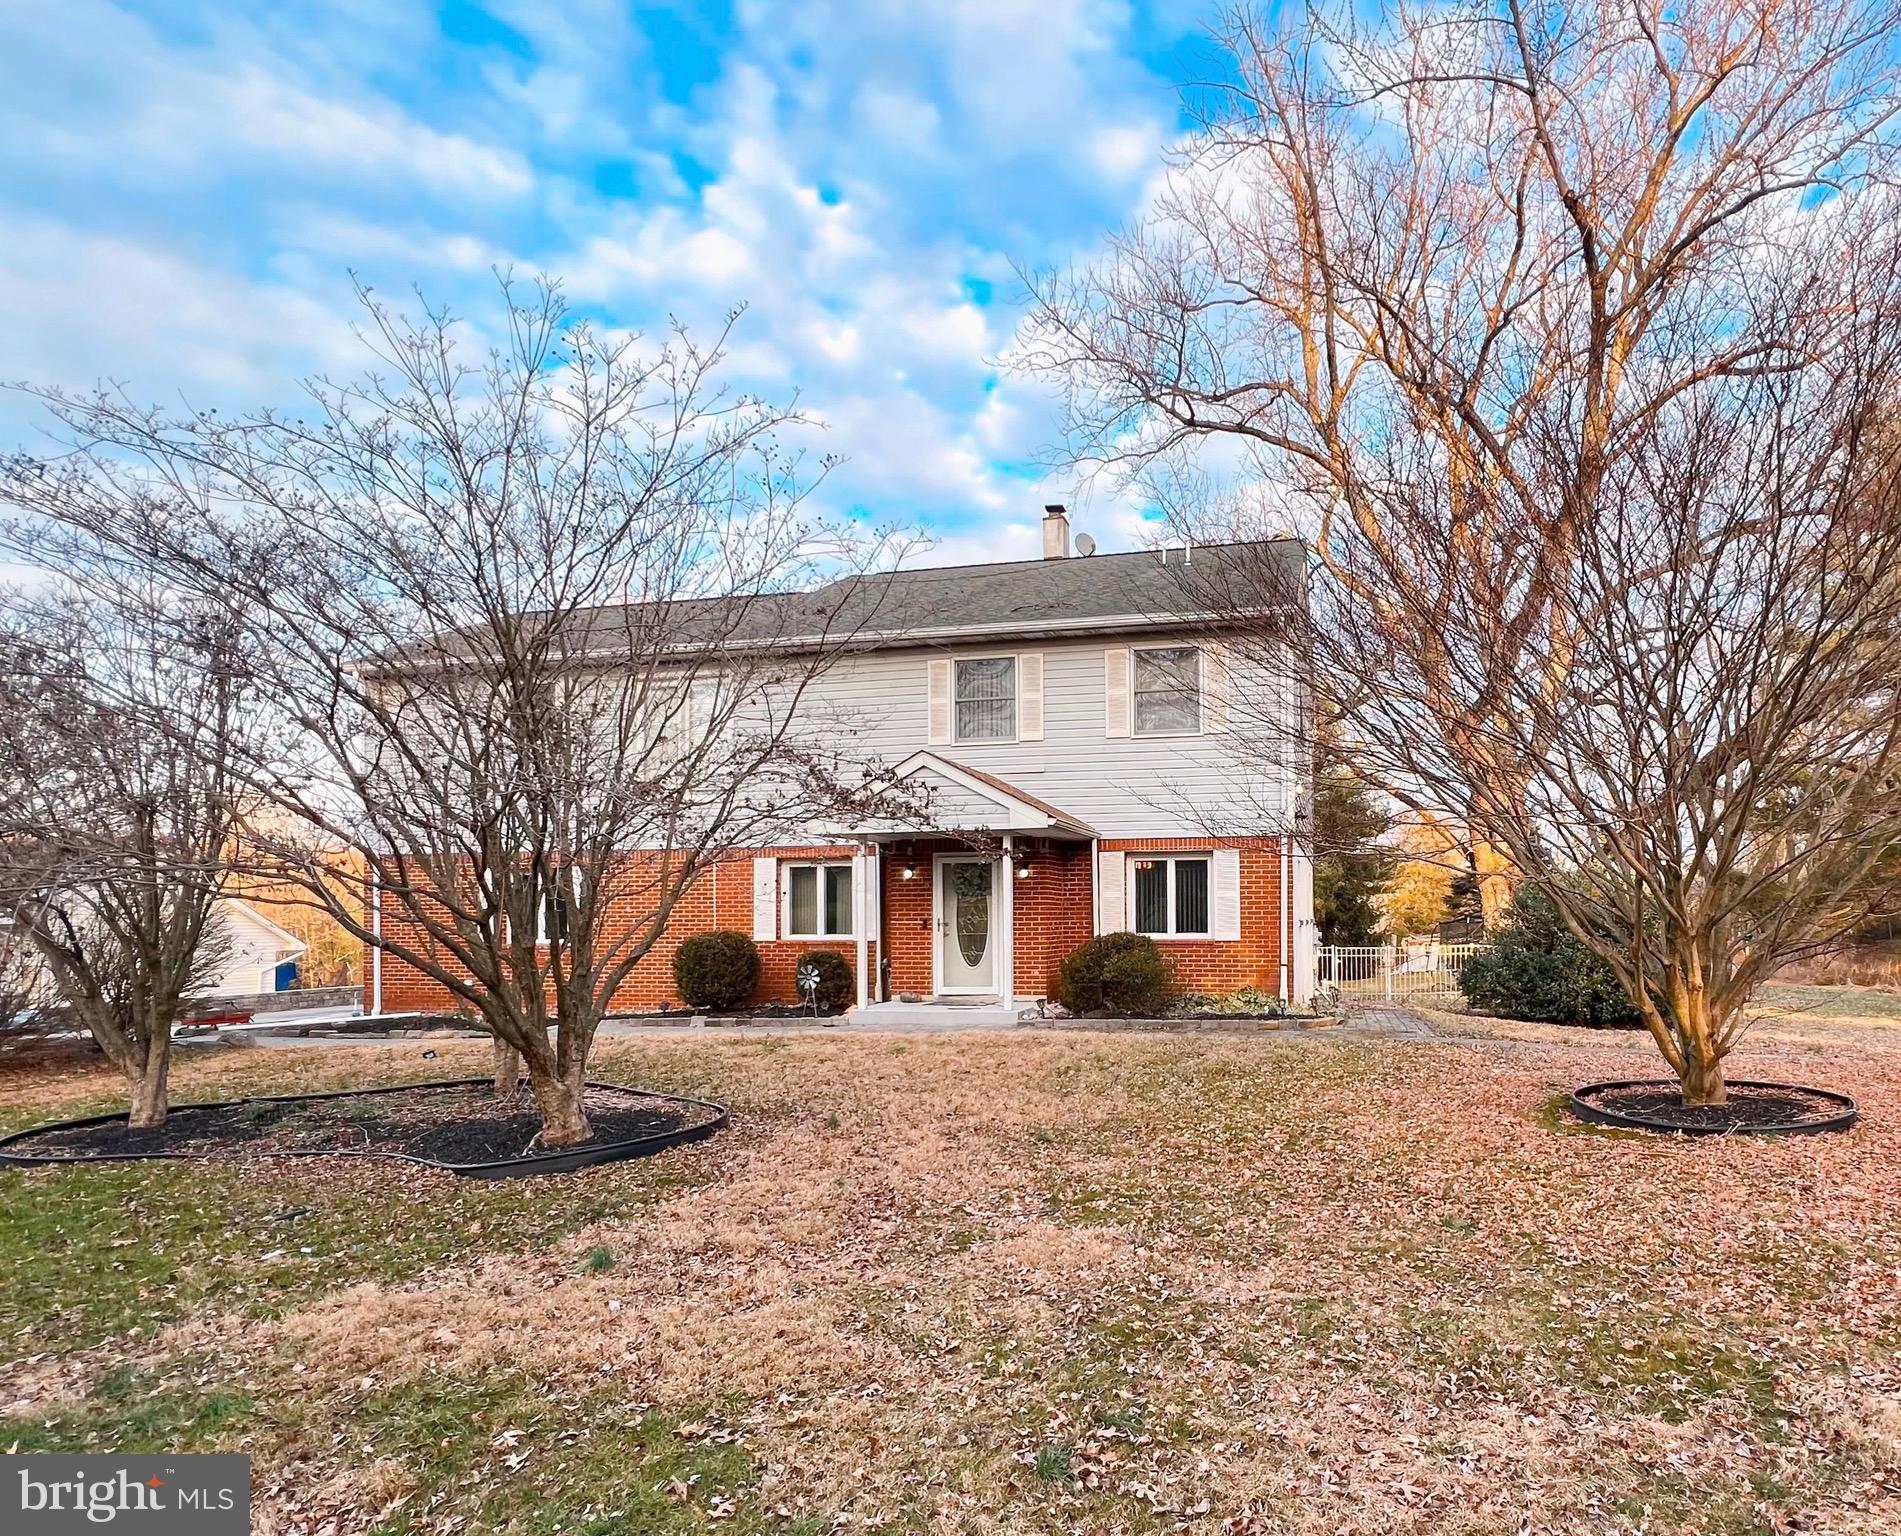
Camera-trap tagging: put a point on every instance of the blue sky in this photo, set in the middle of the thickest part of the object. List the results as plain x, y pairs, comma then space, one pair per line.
186, 187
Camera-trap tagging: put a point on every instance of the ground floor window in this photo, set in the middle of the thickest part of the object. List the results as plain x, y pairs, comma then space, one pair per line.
818, 901
1170, 896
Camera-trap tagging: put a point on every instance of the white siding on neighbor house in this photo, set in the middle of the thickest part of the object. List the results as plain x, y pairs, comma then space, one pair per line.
881, 703
251, 953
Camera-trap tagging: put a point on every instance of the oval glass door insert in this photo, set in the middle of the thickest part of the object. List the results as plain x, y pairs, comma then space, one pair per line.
971, 885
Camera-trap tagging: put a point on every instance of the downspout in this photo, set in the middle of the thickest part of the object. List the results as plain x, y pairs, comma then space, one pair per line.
1095, 905
1287, 907
376, 947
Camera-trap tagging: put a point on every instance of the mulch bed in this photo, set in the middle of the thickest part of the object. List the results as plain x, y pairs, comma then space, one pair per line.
1750, 1107
1186, 1024
445, 1123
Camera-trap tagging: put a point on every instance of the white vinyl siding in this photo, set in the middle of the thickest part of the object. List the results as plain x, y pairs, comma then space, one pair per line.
876, 706
818, 901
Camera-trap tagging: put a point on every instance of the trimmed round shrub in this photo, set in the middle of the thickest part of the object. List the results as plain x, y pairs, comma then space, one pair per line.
834, 977
716, 970
1118, 972
1536, 969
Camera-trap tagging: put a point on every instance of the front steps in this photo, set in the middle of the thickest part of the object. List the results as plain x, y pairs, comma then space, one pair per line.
943, 1013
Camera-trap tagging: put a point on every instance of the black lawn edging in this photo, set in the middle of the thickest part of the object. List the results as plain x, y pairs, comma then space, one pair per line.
1594, 1114
562, 1160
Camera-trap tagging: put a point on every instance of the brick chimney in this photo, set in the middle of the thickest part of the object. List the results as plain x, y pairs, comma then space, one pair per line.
1055, 532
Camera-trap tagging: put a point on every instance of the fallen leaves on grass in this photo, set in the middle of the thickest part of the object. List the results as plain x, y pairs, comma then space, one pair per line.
1037, 1282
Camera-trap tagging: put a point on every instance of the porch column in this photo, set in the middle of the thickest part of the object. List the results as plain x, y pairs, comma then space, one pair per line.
1008, 959
861, 908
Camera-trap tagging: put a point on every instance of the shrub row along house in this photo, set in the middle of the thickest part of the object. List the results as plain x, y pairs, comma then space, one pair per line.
1080, 749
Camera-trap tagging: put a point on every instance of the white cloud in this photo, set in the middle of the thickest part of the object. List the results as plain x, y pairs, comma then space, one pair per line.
104, 309
855, 174
1127, 150
155, 109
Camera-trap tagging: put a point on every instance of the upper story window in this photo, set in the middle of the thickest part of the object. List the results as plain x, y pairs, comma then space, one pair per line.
818, 901
1166, 687
986, 698
1170, 897
681, 723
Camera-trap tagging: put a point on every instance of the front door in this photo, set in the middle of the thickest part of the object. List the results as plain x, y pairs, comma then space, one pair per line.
966, 937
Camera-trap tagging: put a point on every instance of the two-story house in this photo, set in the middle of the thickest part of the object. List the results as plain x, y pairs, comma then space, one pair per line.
1076, 725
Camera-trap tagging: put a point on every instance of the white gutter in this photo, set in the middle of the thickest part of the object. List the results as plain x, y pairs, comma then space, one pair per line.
877, 639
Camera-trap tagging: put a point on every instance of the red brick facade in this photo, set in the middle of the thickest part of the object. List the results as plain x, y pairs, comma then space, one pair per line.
1212, 965
1054, 912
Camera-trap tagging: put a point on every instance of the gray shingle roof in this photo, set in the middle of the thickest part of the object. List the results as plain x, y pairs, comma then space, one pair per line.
931, 603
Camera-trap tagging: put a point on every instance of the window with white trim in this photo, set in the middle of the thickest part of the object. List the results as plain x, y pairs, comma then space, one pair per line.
1165, 683
985, 693
554, 913
1168, 897
681, 722
818, 901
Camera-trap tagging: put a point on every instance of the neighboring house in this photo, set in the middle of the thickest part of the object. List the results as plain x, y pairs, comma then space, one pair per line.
252, 953
257, 955
1074, 722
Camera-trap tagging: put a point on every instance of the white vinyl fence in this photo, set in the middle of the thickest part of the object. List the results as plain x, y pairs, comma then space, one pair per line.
1422, 968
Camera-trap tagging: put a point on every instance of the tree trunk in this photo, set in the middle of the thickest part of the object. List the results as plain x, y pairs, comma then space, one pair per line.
1494, 871
504, 1065
1702, 1074
151, 1095
563, 1121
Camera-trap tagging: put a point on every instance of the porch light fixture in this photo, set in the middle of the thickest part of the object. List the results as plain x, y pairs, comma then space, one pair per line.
909, 872
1023, 870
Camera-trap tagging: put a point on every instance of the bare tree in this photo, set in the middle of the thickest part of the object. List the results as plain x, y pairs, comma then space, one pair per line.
1706, 777
1488, 293
122, 725
538, 620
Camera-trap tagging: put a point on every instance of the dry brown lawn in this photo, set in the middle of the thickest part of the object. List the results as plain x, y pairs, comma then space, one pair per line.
1064, 1282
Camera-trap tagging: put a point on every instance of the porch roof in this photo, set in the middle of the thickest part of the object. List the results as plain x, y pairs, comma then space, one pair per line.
966, 799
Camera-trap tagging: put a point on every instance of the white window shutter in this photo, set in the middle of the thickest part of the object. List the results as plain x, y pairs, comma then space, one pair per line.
1030, 696
765, 900
937, 679
1224, 904
1215, 684
1111, 894
1115, 693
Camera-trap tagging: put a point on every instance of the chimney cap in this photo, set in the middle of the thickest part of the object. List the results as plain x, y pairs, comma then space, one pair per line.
1055, 509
